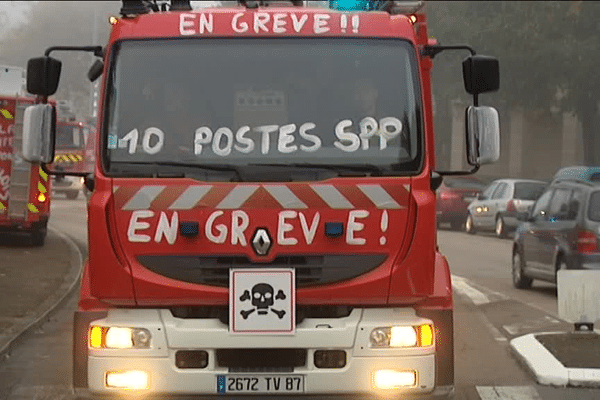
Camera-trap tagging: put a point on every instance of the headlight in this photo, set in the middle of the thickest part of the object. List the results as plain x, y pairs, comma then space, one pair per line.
402, 336
119, 338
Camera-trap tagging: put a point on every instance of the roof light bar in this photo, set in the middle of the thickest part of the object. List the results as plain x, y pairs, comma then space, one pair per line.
266, 3
180, 5
134, 7
405, 7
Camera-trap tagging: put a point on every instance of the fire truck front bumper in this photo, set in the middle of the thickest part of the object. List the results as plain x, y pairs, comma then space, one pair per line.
324, 358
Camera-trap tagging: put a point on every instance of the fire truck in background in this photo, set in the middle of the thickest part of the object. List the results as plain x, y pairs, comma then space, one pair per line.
263, 215
70, 156
24, 186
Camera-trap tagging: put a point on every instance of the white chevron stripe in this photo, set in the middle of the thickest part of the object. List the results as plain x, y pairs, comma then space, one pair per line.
407, 187
285, 197
143, 198
379, 196
332, 196
237, 197
115, 188
190, 197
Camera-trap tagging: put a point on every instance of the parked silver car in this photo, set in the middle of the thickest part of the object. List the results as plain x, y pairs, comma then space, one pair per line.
497, 207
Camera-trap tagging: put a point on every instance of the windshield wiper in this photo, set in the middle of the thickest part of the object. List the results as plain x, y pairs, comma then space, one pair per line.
211, 167
372, 168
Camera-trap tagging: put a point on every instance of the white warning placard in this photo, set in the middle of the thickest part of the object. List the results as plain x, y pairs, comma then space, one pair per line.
262, 301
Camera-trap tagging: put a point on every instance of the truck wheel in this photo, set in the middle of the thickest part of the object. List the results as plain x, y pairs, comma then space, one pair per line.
520, 280
456, 225
72, 195
469, 225
38, 237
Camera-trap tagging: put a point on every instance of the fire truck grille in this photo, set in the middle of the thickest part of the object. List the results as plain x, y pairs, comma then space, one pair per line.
222, 312
311, 270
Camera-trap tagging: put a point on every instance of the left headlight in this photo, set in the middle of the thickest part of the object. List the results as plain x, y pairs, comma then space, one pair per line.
117, 337
402, 336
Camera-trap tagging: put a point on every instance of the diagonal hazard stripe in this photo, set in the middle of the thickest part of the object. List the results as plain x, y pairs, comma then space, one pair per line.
143, 198
379, 196
237, 197
190, 197
41, 188
285, 197
2, 207
332, 196
43, 174
32, 208
6, 114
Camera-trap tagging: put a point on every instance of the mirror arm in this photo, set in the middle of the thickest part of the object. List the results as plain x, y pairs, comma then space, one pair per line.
97, 50
449, 173
435, 49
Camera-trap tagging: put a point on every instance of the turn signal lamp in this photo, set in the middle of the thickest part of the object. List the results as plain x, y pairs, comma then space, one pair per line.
131, 380
119, 338
41, 197
112, 20
402, 336
392, 379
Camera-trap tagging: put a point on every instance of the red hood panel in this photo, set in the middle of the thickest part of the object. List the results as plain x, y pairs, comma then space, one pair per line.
149, 218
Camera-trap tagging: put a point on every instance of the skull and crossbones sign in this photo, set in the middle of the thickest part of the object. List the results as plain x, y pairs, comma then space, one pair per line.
263, 297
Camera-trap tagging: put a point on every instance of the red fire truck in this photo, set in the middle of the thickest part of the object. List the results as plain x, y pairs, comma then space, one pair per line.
24, 186
70, 156
263, 214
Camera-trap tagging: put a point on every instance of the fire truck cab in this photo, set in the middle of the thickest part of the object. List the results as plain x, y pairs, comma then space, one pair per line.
263, 216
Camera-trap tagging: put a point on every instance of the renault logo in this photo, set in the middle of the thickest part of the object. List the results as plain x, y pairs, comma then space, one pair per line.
261, 241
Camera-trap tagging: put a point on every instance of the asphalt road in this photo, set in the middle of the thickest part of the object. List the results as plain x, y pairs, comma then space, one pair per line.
488, 313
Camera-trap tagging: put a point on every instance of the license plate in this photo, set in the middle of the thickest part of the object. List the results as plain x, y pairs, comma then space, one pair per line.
260, 383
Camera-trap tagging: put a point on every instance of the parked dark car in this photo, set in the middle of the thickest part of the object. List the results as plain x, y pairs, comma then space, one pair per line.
498, 206
453, 197
561, 230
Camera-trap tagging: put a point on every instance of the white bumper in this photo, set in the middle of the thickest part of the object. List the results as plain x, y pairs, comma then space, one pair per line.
351, 334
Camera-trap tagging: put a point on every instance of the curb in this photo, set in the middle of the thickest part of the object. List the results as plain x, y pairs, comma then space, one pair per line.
547, 369
70, 283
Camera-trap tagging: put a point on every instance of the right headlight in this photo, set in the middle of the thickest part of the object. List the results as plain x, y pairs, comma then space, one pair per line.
402, 336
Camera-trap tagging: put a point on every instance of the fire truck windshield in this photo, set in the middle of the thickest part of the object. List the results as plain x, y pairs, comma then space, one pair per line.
69, 136
287, 102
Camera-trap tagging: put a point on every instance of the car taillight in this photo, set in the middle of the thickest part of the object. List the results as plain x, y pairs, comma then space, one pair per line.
587, 242
511, 205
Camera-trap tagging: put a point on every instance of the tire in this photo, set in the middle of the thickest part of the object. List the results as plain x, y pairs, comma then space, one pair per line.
519, 279
456, 225
72, 195
470, 225
38, 237
500, 228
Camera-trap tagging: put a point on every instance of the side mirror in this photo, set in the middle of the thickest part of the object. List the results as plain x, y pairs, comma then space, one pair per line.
39, 126
43, 74
481, 74
95, 70
483, 135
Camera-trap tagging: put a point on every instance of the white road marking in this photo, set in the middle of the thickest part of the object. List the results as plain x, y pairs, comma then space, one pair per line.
508, 393
461, 286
